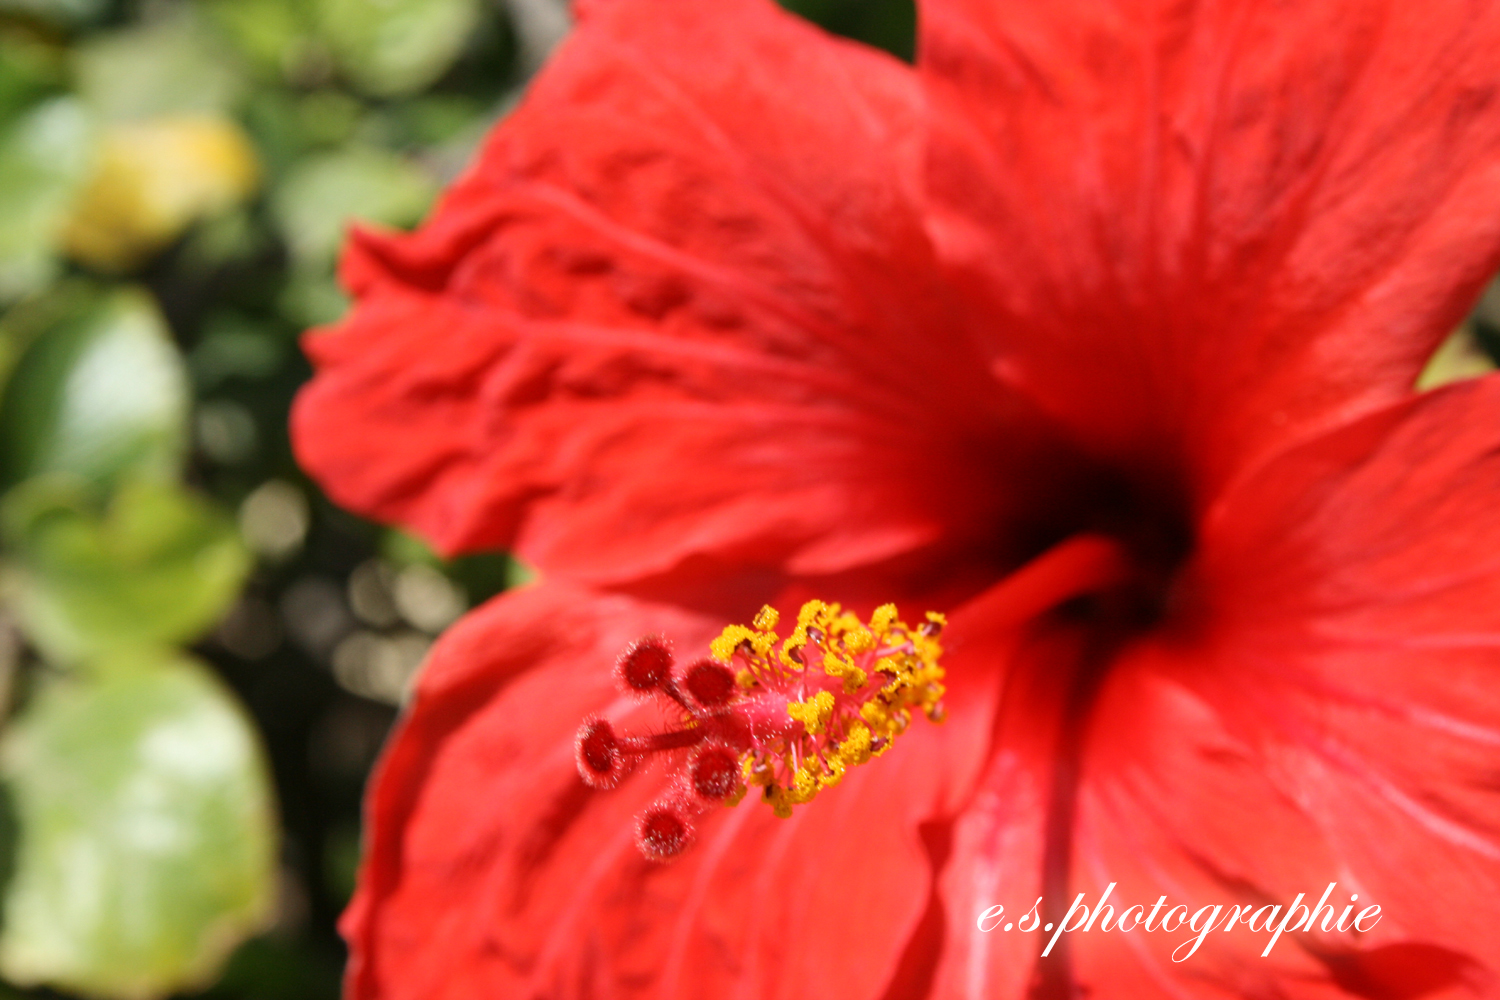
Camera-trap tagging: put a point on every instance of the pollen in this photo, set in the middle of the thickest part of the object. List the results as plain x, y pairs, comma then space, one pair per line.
790, 717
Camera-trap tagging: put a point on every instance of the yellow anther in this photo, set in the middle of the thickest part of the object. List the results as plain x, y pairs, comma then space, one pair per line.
859, 640
836, 769
756, 772
728, 643
883, 618
722, 648
814, 712
745, 679
878, 717
854, 679
737, 796
766, 620
855, 749
804, 785
810, 612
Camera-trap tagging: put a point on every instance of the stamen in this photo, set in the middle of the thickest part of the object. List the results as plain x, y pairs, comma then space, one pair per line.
790, 717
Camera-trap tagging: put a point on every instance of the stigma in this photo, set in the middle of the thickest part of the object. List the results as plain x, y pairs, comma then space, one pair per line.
785, 717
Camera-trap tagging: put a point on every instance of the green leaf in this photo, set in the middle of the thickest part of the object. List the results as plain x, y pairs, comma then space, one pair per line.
235, 346
146, 831
159, 567
1460, 357
276, 967
887, 24
43, 158
272, 33
392, 47
30, 68
56, 11
173, 66
101, 393
323, 194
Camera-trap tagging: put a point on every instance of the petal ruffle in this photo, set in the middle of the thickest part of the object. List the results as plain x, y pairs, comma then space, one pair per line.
1330, 713
492, 871
1201, 230
682, 304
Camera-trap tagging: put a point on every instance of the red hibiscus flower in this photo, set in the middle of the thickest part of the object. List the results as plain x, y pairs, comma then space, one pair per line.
1097, 330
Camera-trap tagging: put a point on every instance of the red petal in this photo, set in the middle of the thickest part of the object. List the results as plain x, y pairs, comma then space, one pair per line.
1197, 229
683, 303
1331, 713
492, 871
1358, 583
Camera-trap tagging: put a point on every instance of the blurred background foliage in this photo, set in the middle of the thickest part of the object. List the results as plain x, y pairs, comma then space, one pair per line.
199, 655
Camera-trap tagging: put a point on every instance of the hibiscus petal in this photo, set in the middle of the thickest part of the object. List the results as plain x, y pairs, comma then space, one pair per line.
1327, 712
492, 871
682, 304
1200, 229
1358, 585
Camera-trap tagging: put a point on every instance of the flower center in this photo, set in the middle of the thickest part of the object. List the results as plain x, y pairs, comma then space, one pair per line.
788, 716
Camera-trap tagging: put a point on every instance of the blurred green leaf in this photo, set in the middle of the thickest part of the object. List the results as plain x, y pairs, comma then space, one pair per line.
56, 11
159, 567
147, 831
43, 157
312, 298
288, 126
173, 66
271, 968
327, 117
482, 575
1461, 356
235, 236
30, 68
392, 47
886, 24
28, 319
234, 346
274, 34
439, 118
323, 194
103, 393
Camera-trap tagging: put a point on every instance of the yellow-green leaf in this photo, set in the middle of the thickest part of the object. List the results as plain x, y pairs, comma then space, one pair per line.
158, 567
102, 392
146, 827
391, 47
43, 157
323, 194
